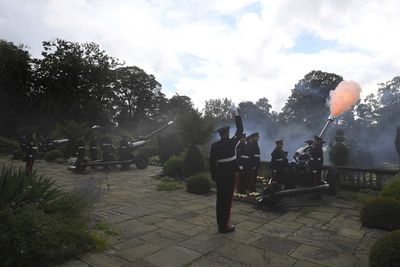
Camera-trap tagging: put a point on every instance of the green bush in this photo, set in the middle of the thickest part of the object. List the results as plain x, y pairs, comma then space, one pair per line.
382, 213
385, 251
7, 146
173, 167
193, 162
18, 188
32, 237
168, 186
53, 155
198, 184
392, 190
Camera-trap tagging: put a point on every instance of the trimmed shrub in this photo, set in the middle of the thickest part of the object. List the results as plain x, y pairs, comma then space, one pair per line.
198, 184
382, 213
53, 155
173, 167
385, 251
168, 186
392, 190
7, 146
193, 161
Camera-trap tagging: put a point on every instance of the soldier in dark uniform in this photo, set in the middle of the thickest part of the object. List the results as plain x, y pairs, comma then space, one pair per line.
222, 167
93, 149
106, 149
242, 159
254, 160
124, 149
80, 149
31, 150
316, 161
279, 163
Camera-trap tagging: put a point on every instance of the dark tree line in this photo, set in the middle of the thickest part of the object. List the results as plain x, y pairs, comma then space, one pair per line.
80, 82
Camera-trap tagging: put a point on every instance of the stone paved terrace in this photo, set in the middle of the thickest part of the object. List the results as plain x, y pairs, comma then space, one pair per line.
178, 229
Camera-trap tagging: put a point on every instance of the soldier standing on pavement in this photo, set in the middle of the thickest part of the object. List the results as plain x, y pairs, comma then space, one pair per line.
242, 159
222, 167
254, 160
31, 150
316, 161
279, 164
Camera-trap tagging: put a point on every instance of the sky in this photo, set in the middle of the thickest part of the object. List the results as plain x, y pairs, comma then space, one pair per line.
239, 49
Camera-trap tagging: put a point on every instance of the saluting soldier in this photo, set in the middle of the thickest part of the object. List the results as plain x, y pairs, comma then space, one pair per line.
31, 151
254, 160
316, 161
222, 167
242, 159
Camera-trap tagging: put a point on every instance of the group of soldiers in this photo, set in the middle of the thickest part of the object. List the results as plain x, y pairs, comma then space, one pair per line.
247, 162
105, 148
236, 160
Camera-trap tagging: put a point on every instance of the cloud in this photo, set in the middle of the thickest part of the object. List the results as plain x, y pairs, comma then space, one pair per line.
243, 50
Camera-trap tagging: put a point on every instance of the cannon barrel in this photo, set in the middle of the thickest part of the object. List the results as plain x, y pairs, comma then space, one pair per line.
157, 131
328, 122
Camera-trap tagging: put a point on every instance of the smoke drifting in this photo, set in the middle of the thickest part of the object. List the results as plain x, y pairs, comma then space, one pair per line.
346, 94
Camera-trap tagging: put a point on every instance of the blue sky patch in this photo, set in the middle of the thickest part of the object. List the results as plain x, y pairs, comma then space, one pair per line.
309, 43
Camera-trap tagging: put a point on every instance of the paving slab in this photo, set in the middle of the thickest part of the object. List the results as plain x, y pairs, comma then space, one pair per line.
163, 237
204, 242
243, 253
310, 236
323, 256
216, 260
172, 256
277, 229
139, 251
276, 245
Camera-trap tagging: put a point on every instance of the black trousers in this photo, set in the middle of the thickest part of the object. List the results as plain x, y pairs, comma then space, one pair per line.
251, 184
225, 182
242, 181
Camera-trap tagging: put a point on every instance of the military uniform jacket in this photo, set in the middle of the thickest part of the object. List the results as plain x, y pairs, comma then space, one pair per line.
279, 161
242, 157
31, 150
316, 158
254, 154
223, 153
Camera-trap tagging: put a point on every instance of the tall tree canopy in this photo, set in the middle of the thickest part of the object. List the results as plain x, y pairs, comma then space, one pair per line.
138, 96
74, 81
307, 103
15, 87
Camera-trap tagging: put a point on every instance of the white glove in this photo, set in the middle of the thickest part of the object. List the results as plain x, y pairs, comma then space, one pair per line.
234, 111
241, 168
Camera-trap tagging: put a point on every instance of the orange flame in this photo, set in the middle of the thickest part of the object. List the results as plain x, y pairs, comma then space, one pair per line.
345, 95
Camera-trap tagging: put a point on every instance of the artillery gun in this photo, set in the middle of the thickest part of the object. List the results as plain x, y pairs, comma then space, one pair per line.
125, 159
300, 178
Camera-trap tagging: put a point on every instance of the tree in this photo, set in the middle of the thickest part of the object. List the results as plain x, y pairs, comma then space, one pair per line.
15, 87
74, 81
195, 130
397, 143
138, 96
218, 109
389, 103
307, 103
339, 153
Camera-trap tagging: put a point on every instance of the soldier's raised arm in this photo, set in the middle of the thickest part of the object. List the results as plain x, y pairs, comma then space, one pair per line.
238, 122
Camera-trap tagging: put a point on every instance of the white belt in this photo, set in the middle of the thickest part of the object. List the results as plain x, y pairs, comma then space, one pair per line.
256, 155
94, 147
123, 146
226, 159
279, 159
34, 147
81, 147
244, 157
